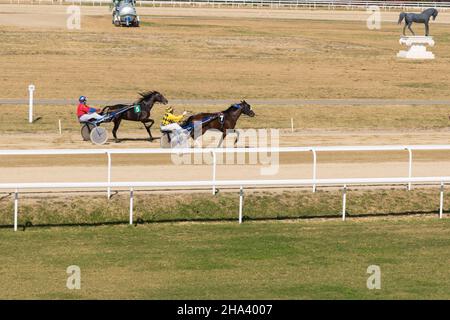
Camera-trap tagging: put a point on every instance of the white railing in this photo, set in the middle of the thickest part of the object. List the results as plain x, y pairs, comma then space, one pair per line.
214, 151
213, 183
311, 4
230, 183
330, 4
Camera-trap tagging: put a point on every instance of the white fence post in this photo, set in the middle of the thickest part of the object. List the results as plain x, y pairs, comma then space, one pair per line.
410, 167
31, 89
314, 168
292, 125
214, 172
59, 127
131, 205
241, 203
109, 174
16, 208
344, 202
441, 201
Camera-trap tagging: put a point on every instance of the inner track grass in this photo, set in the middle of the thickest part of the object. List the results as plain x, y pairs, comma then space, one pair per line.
255, 260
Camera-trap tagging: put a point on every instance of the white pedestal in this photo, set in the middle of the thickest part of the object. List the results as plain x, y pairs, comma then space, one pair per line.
417, 47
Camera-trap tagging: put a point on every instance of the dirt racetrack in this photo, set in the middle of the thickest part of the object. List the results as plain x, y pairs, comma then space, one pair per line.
204, 53
55, 15
85, 168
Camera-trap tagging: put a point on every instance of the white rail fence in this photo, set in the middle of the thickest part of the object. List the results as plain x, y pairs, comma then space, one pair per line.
231, 183
214, 151
214, 183
311, 4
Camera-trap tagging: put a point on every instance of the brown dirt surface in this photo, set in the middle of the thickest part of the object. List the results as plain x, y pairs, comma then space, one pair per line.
189, 53
193, 53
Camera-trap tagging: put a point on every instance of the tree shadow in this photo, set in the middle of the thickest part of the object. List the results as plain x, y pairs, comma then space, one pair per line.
139, 221
349, 215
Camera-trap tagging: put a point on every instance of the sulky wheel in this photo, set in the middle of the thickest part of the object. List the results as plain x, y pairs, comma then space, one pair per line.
86, 131
99, 135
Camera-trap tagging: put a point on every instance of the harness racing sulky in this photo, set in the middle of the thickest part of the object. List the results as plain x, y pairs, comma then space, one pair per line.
174, 134
196, 125
91, 130
136, 111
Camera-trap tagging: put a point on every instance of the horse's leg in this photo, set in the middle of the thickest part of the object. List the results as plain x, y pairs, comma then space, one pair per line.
194, 139
224, 133
144, 122
427, 29
195, 142
116, 127
409, 27
237, 137
404, 28
152, 122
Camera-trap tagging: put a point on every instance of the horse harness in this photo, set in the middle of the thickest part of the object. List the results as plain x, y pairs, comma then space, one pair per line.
219, 115
222, 116
221, 119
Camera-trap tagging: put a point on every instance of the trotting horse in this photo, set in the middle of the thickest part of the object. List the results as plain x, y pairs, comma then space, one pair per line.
423, 17
224, 121
140, 112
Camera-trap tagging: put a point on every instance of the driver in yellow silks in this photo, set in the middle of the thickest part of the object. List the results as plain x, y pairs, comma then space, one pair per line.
170, 121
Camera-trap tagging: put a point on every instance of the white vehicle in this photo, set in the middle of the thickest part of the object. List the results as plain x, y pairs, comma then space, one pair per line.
124, 13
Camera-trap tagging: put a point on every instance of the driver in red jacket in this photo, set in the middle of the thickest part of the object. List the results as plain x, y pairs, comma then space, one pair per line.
86, 113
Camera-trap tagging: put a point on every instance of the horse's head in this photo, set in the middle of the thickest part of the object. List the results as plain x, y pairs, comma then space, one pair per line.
151, 97
160, 98
247, 109
435, 13
430, 12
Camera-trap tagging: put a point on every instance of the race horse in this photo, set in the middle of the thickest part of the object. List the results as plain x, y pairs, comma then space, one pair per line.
224, 121
423, 17
140, 112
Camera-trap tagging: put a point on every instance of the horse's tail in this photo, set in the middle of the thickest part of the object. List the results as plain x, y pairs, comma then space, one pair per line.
401, 17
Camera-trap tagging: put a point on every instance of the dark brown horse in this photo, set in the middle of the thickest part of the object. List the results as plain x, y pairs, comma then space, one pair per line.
224, 121
140, 112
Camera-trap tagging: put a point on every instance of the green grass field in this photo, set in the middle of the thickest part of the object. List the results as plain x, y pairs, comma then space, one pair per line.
286, 255
255, 260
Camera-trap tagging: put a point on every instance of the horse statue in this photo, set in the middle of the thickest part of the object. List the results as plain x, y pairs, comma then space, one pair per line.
140, 112
224, 121
423, 17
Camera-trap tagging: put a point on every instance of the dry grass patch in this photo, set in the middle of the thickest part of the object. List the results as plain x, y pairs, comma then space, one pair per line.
200, 57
